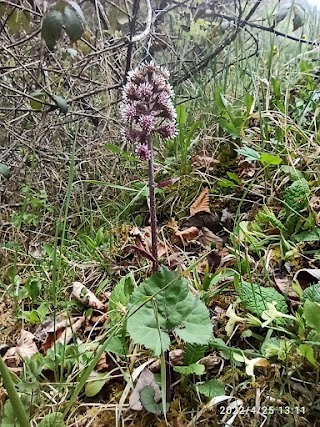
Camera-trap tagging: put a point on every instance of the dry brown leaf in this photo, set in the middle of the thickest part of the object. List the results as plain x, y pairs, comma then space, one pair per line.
66, 336
146, 378
246, 169
201, 204
307, 276
285, 287
11, 358
212, 361
50, 331
263, 363
175, 357
208, 163
143, 243
186, 236
315, 203
102, 365
86, 297
26, 346
206, 237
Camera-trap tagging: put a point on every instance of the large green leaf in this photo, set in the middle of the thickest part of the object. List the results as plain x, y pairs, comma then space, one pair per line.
164, 303
73, 22
51, 28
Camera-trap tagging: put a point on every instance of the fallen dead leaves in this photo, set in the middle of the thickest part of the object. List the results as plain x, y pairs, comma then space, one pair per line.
61, 329
200, 234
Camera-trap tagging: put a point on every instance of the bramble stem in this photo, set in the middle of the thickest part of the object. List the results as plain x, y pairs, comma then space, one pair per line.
153, 208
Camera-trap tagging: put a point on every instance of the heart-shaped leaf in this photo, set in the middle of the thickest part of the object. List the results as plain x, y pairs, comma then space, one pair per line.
164, 303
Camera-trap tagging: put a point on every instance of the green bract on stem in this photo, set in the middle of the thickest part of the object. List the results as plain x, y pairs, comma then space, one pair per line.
147, 110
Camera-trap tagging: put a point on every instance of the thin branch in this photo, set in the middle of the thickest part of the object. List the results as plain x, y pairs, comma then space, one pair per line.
226, 42
144, 34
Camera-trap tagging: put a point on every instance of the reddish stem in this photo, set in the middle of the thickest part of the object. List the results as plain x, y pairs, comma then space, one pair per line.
153, 210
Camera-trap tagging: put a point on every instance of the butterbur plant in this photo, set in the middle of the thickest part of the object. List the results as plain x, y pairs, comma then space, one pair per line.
147, 111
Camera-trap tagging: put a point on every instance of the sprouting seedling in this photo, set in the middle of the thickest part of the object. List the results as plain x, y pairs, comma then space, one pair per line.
147, 110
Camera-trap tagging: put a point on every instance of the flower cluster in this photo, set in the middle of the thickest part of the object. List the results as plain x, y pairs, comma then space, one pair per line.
147, 108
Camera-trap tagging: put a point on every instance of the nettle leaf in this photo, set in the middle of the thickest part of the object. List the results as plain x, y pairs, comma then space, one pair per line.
193, 353
5, 170
296, 196
211, 388
299, 16
194, 368
164, 303
147, 395
52, 420
51, 28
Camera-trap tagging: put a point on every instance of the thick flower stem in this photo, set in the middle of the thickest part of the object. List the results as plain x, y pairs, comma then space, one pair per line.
153, 209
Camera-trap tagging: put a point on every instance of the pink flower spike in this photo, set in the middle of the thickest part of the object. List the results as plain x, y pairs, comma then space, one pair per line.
147, 123
128, 112
168, 131
143, 152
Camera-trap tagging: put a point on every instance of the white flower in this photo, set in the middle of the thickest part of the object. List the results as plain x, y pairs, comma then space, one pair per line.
272, 313
233, 319
251, 363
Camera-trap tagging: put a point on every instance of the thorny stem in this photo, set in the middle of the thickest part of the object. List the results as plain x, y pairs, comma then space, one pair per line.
153, 210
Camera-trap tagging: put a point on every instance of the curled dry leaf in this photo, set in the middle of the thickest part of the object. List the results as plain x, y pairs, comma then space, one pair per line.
307, 276
11, 358
146, 378
208, 163
246, 169
185, 236
201, 204
211, 362
143, 243
167, 182
206, 237
60, 329
26, 346
175, 357
66, 335
315, 203
86, 297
